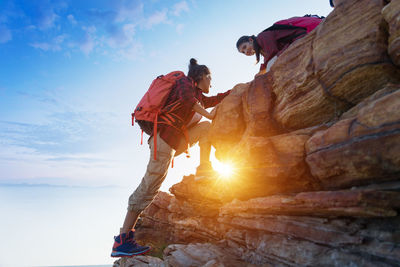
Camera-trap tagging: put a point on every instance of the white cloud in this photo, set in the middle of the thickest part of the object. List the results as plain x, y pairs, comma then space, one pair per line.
132, 12
179, 8
179, 28
60, 39
88, 43
131, 52
31, 166
42, 46
108, 31
90, 29
129, 29
47, 18
45, 97
72, 19
67, 145
121, 36
54, 45
5, 34
116, 36
122, 43
157, 18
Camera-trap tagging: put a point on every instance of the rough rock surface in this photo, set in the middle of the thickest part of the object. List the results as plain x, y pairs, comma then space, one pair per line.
391, 13
197, 254
258, 104
276, 165
329, 76
388, 89
324, 203
205, 255
315, 143
329, 79
361, 148
140, 261
349, 227
230, 110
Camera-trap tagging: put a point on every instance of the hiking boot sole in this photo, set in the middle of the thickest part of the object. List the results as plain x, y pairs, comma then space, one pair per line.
124, 254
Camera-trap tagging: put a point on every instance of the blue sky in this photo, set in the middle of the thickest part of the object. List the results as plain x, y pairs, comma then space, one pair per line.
71, 72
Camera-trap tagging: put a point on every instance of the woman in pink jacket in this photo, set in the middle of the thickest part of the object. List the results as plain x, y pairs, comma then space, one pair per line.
277, 38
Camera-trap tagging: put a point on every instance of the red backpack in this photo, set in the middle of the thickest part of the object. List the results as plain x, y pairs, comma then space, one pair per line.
308, 22
151, 105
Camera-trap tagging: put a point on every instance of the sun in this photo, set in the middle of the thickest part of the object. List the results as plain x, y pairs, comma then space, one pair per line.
224, 169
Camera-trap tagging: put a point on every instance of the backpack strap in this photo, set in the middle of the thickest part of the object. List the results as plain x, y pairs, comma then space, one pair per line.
292, 37
155, 135
185, 132
314, 16
279, 27
166, 115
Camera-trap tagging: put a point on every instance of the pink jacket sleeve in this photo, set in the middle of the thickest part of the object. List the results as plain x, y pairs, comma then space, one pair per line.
269, 46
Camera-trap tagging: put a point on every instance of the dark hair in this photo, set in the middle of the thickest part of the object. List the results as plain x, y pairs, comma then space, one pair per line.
196, 71
256, 47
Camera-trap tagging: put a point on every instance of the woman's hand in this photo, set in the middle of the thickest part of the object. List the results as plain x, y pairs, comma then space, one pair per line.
199, 109
209, 115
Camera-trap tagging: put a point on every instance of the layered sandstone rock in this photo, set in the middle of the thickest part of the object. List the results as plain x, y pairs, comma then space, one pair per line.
388, 89
197, 254
140, 261
377, 248
348, 227
169, 220
246, 111
328, 79
228, 127
391, 13
258, 105
347, 203
271, 165
205, 255
330, 75
359, 149
262, 166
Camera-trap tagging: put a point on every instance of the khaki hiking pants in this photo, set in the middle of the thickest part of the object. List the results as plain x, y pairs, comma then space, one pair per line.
157, 169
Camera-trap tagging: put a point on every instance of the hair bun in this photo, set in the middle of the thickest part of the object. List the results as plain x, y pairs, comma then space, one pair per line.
193, 61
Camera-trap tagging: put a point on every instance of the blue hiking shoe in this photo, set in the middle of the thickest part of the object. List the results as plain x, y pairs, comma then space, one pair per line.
126, 246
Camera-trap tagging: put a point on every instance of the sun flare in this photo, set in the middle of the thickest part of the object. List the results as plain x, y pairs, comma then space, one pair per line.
225, 170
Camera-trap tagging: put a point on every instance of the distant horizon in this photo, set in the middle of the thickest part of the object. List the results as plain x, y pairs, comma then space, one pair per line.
74, 217
57, 185
105, 265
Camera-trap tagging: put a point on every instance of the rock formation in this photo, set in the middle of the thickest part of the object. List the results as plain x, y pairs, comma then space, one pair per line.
391, 13
316, 147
